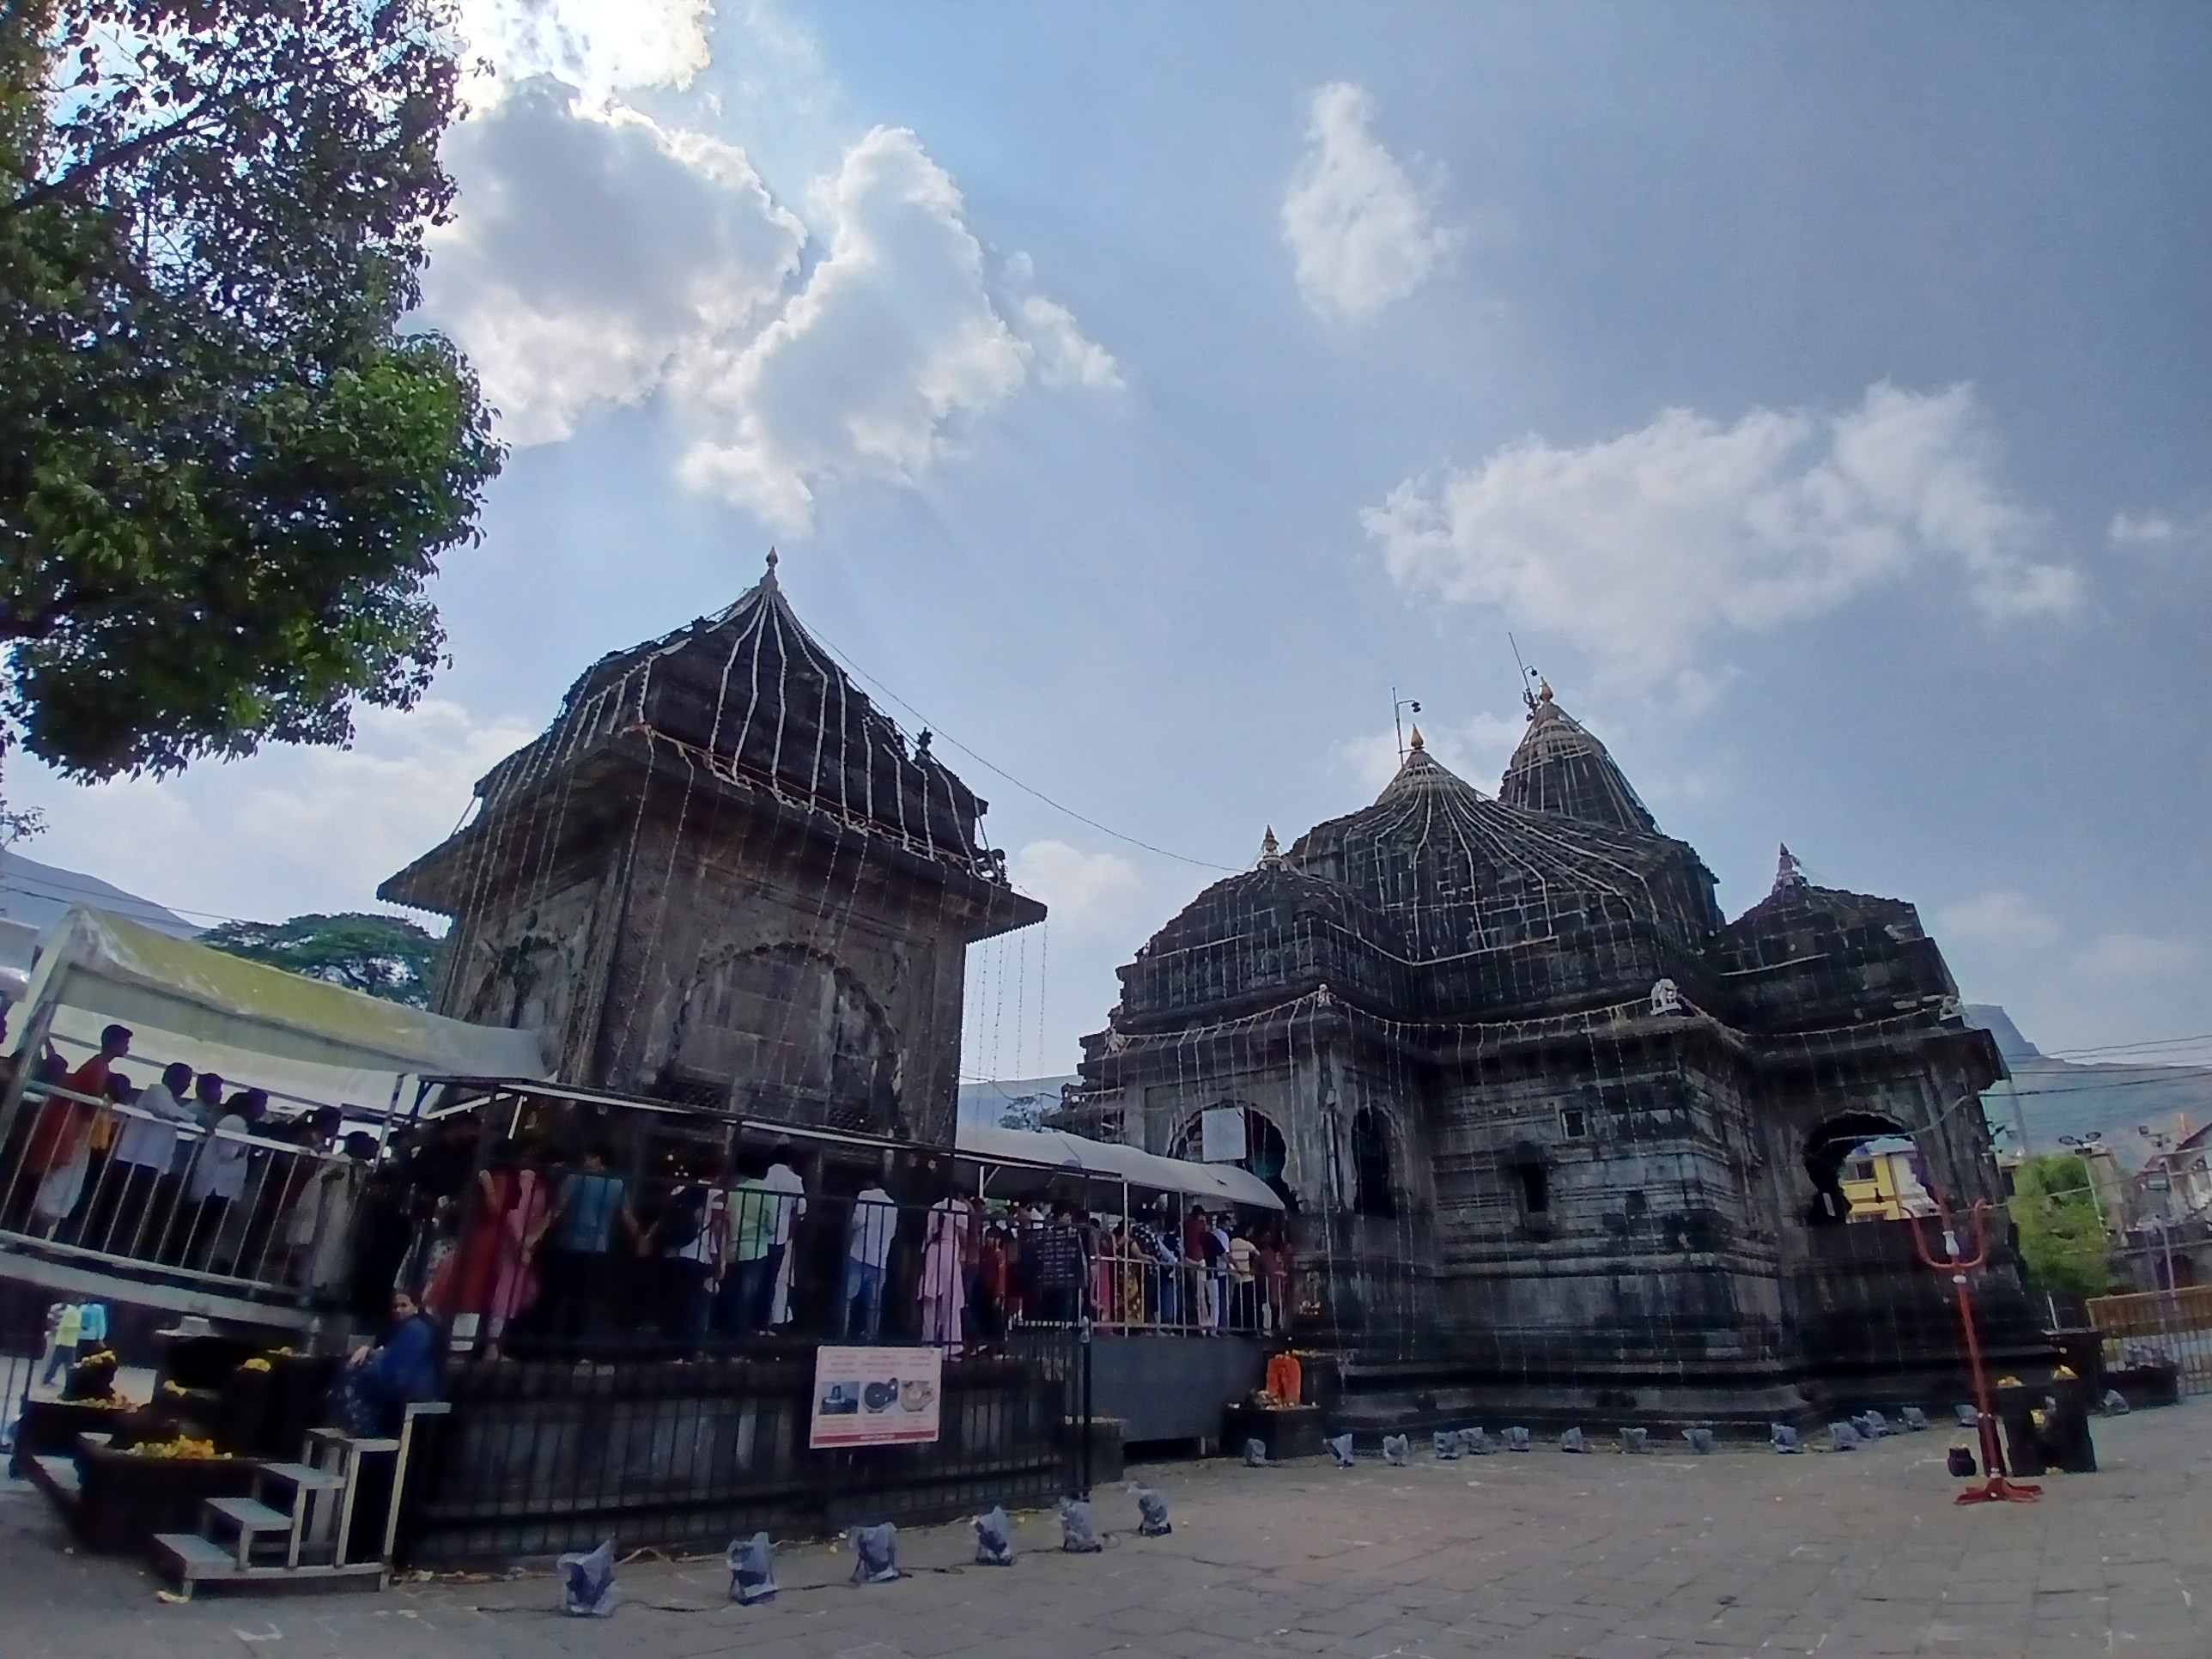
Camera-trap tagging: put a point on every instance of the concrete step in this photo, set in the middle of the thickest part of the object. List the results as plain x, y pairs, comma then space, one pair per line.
304, 1477
250, 1514
193, 1561
191, 1556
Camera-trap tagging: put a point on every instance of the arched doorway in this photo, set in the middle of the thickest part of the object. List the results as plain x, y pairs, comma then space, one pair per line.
1267, 1153
1374, 1187
1828, 1146
788, 1031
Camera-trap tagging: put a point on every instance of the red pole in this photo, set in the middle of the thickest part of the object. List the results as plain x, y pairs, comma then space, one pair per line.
1995, 1487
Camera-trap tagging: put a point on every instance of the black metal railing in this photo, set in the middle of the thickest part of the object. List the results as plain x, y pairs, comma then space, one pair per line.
537, 1457
106, 1178
554, 1229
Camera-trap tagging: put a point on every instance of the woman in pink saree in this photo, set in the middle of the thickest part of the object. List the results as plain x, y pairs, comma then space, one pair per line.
493, 1276
944, 1285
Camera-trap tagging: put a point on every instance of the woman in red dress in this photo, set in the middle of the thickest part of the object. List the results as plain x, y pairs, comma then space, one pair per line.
492, 1277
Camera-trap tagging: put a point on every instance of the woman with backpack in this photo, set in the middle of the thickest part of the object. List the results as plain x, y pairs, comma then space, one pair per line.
685, 1238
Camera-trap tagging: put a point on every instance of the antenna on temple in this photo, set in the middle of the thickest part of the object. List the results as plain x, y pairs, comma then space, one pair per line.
1398, 702
1527, 673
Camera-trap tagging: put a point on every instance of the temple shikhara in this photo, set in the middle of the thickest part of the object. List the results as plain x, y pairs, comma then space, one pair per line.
722, 876
1559, 1137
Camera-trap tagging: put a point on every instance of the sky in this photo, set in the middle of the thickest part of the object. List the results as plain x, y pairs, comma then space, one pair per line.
1819, 396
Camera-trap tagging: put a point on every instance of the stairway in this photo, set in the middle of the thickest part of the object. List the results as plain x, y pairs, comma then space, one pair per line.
296, 1527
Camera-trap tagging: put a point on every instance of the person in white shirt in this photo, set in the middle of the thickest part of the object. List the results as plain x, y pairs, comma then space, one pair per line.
790, 1203
218, 1176
133, 1205
867, 1255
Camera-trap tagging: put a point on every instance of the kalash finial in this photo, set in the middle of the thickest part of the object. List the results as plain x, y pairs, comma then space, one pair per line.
1417, 743
768, 579
1543, 690
1271, 850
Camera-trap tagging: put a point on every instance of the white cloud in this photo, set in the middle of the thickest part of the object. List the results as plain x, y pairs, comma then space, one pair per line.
599, 258
1084, 892
1639, 547
2160, 530
604, 46
2138, 529
2001, 919
1358, 231
2065, 993
869, 369
1476, 748
290, 830
1063, 355
592, 250
2125, 956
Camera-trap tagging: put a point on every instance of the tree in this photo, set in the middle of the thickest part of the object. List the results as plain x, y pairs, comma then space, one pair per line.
226, 473
1027, 1111
2062, 1233
387, 956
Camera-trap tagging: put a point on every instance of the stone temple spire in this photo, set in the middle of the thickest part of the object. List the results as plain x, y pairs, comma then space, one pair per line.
1561, 768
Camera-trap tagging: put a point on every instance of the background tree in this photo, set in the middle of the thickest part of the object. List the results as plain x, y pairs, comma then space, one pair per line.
226, 473
387, 956
2062, 1234
1027, 1111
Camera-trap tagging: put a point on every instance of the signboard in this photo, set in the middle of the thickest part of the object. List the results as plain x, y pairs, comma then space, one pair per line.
1221, 1134
876, 1396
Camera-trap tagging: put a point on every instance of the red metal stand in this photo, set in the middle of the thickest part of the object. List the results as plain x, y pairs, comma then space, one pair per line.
1995, 1487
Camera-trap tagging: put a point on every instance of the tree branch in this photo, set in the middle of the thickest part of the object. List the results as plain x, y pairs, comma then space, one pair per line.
73, 178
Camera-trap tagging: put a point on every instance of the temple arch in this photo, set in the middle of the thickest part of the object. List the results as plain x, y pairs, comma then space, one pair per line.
1373, 1166
1827, 1143
1267, 1152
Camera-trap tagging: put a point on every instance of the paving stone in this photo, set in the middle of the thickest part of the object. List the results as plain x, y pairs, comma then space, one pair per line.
1864, 1556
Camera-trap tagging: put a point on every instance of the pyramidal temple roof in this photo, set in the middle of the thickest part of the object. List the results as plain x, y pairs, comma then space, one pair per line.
748, 698
1561, 768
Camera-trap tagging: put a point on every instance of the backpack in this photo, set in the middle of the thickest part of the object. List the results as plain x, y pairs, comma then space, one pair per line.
685, 1219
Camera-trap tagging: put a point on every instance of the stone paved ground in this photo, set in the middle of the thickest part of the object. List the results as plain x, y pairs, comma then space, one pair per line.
1601, 1557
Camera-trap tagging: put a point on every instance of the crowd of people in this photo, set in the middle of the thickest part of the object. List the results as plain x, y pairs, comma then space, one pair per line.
183, 1170
563, 1237
535, 1251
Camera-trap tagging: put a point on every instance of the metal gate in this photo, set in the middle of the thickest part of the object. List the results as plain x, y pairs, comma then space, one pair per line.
2172, 1327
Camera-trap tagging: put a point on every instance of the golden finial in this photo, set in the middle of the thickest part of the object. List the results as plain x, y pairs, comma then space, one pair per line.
1417, 743
1543, 690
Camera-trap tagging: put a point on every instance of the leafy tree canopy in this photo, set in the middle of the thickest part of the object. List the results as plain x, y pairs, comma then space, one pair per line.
2062, 1234
225, 474
387, 956
1027, 1112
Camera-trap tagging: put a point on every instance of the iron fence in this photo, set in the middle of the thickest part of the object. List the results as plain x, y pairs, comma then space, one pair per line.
2158, 1327
537, 1457
92, 1180
559, 1227
24, 1351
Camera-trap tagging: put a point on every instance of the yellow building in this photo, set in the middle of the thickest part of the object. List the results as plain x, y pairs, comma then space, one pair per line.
1879, 1180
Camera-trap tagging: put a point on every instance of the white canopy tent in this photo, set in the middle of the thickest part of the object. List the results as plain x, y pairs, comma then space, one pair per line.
1105, 1160
299, 1038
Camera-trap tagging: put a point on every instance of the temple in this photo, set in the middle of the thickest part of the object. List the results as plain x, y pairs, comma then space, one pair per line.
1560, 1136
721, 876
